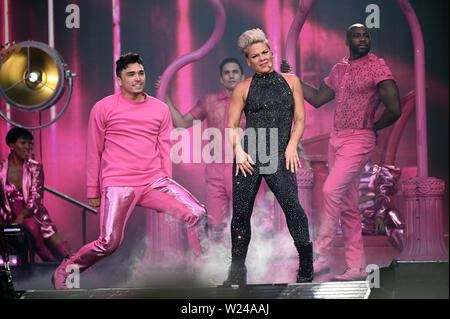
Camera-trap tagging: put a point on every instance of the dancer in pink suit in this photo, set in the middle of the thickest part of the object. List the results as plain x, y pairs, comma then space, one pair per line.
21, 194
128, 164
358, 83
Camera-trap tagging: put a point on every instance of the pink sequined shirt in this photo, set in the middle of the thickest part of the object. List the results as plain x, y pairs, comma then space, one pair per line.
356, 94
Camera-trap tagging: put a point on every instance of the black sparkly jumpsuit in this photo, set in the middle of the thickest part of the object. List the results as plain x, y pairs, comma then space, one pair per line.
270, 104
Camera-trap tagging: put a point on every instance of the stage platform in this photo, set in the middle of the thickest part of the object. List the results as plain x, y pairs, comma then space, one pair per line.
328, 290
401, 280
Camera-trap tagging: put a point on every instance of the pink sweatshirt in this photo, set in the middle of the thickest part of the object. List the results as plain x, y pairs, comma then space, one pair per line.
128, 143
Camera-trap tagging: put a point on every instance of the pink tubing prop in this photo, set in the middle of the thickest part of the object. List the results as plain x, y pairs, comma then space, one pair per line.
291, 43
419, 67
219, 14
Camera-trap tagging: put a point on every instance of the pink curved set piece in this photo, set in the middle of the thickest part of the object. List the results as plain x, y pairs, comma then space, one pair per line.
219, 28
419, 68
423, 214
294, 32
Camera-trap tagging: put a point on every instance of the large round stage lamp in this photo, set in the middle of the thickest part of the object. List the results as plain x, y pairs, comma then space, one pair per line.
33, 78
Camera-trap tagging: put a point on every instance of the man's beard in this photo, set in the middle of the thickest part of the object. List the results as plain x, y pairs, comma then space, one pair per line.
361, 52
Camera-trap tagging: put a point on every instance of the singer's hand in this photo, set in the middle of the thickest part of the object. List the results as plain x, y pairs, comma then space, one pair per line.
243, 162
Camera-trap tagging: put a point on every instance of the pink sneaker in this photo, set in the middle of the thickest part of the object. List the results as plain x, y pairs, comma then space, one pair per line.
321, 265
351, 274
60, 276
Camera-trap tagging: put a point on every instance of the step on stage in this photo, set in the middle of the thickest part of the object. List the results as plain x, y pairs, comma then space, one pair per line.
326, 290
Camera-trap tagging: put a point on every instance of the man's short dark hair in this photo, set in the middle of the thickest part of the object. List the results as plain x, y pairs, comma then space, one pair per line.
15, 133
125, 59
230, 60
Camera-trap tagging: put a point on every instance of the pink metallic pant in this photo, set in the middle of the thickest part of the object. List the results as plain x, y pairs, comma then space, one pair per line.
348, 152
117, 203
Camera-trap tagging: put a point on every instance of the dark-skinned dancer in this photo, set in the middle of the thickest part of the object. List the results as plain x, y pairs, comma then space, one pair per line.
358, 83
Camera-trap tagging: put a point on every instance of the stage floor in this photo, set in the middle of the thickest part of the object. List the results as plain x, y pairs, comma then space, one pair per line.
328, 290
401, 280
270, 273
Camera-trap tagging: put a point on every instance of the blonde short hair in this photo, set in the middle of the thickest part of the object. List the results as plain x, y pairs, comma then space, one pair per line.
250, 37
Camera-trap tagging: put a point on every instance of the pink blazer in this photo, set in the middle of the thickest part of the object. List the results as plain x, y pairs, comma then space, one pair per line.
33, 191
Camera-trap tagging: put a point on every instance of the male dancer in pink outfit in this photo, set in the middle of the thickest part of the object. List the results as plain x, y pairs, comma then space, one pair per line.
358, 83
128, 164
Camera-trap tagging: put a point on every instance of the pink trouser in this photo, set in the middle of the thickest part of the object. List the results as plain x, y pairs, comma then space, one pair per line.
219, 197
39, 233
348, 152
117, 204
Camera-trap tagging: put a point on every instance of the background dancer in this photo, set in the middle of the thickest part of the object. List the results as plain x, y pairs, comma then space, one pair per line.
21, 195
128, 164
358, 83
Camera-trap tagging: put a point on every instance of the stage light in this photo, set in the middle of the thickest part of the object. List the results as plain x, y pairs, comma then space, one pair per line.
13, 261
33, 78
